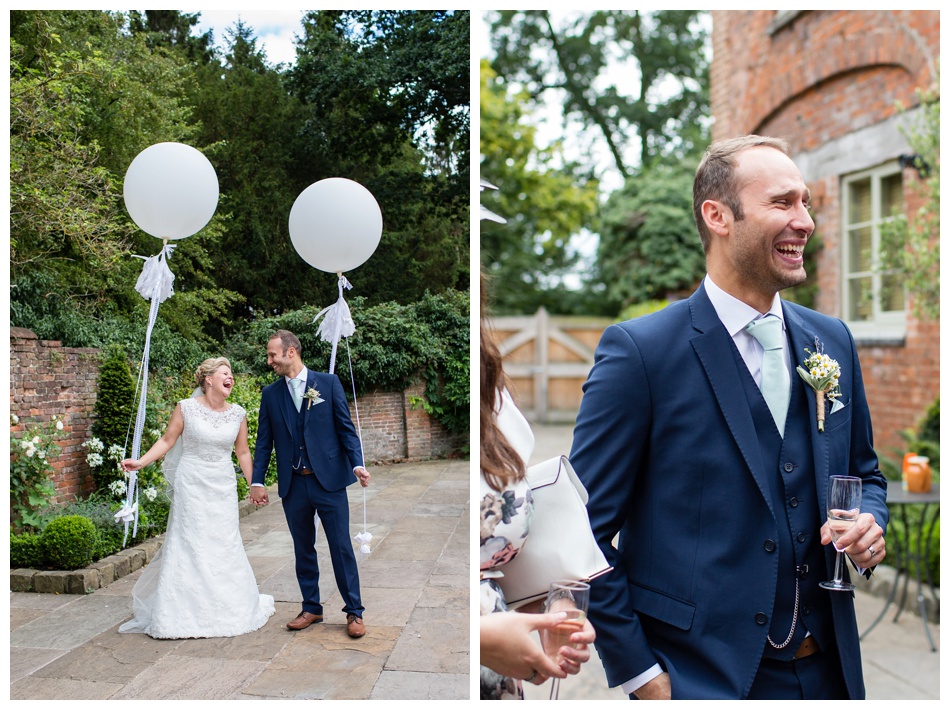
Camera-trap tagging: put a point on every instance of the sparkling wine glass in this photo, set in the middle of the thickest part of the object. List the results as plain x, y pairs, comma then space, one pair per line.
844, 505
572, 598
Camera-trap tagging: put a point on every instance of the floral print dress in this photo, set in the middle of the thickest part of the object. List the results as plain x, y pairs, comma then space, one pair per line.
504, 520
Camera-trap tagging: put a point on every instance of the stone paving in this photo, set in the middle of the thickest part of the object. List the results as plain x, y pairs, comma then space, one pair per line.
415, 586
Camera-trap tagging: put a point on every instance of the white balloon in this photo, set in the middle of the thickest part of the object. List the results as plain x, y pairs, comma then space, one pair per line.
335, 225
171, 190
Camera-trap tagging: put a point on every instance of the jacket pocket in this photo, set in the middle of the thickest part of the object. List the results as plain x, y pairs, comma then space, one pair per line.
333, 453
661, 607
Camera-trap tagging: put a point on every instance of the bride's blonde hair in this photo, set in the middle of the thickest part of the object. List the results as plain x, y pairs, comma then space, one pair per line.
208, 368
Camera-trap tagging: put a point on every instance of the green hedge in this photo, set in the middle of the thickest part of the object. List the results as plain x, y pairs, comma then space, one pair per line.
69, 542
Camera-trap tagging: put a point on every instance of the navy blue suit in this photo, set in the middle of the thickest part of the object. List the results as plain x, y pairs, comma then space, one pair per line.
667, 445
324, 434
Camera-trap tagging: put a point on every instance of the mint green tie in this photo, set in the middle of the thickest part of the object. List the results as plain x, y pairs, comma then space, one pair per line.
775, 379
298, 395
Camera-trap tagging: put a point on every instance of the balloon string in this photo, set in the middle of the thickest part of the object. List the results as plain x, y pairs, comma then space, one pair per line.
359, 428
158, 290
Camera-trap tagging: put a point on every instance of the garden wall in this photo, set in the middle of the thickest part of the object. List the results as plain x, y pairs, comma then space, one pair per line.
48, 379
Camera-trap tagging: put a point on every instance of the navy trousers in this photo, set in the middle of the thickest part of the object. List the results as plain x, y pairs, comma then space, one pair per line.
304, 498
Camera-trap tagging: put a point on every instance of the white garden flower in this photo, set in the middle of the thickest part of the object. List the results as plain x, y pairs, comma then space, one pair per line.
150, 493
94, 459
59, 425
117, 488
30, 452
36, 439
93, 444
116, 452
14, 419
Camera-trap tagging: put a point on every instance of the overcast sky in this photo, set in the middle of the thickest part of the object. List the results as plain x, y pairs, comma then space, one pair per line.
274, 29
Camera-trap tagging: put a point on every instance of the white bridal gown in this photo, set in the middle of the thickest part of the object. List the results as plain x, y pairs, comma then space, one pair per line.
200, 584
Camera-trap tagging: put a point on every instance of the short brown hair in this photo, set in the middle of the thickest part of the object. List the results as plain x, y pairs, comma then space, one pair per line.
716, 177
287, 339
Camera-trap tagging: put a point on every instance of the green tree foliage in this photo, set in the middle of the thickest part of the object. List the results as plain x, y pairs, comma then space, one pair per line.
115, 406
651, 116
544, 200
171, 28
379, 97
649, 248
668, 53
249, 122
910, 246
385, 95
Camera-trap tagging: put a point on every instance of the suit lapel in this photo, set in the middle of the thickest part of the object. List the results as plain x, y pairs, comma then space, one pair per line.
311, 384
716, 353
802, 336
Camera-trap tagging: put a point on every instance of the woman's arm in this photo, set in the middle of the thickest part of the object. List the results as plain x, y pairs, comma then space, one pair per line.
243, 452
161, 447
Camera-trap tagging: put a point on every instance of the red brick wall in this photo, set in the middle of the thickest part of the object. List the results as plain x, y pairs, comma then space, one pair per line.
814, 80
47, 379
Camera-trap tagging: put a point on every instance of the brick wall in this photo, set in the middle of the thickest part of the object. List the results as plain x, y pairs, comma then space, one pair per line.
47, 379
827, 82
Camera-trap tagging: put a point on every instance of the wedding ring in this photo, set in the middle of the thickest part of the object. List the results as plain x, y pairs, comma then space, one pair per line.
871, 550
534, 674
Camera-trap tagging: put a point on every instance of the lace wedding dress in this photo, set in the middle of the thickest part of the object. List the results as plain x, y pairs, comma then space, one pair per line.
200, 584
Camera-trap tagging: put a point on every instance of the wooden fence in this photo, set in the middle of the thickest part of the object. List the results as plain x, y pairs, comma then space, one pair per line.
547, 359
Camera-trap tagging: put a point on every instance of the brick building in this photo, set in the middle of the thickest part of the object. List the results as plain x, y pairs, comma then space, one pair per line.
827, 82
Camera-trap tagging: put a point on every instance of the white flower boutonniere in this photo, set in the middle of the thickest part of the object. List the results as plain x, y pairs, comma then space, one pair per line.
311, 395
822, 374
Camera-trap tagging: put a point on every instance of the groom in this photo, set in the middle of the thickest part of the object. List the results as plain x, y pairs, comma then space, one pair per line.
305, 418
700, 446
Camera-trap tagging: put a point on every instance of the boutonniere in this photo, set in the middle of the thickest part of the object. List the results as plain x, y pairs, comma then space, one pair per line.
311, 395
822, 374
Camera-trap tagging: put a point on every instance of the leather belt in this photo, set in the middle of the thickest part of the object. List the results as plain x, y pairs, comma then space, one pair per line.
303, 471
808, 647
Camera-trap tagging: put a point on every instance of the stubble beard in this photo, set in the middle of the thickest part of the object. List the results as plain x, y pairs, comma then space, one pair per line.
763, 274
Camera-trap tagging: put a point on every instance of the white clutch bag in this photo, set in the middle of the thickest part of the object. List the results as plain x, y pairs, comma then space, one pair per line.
560, 544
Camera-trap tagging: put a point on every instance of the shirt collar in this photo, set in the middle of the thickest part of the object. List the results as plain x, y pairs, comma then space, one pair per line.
735, 314
302, 375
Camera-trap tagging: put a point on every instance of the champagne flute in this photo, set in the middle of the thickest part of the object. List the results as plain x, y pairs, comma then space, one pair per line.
844, 506
572, 598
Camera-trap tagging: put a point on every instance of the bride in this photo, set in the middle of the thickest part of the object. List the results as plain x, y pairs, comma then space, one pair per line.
200, 584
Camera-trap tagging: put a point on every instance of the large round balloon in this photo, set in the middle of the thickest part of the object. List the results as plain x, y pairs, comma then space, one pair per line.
171, 190
335, 225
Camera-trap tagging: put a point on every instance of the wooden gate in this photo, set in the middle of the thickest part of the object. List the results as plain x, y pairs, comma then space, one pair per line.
547, 359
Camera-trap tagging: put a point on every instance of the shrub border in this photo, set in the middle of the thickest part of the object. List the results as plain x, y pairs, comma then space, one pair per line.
99, 574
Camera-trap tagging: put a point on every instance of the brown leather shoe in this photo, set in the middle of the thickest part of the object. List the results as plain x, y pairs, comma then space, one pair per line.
354, 626
303, 620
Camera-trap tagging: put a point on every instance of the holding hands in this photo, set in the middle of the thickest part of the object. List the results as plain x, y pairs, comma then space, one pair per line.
258, 495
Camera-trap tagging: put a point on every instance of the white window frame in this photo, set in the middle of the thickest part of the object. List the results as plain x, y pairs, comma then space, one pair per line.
883, 326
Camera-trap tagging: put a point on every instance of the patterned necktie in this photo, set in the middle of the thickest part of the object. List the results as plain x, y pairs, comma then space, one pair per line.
295, 386
775, 379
